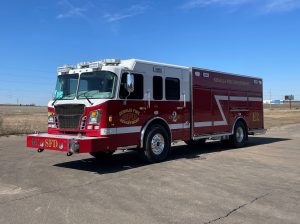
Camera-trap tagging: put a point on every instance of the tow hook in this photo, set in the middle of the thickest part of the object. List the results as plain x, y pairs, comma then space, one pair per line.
40, 150
69, 153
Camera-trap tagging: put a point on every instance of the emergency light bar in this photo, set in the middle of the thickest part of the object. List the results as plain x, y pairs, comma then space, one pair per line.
95, 65
111, 61
64, 69
83, 65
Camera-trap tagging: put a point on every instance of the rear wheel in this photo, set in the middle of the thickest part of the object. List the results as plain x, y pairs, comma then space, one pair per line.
157, 144
240, 135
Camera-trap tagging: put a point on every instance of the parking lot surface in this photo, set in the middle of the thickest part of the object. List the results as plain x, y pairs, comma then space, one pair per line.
210, 184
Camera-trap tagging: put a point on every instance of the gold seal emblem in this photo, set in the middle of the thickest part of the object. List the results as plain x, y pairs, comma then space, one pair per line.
129, 116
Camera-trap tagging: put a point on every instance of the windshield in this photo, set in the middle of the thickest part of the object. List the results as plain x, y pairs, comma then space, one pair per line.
66, 87
97, 85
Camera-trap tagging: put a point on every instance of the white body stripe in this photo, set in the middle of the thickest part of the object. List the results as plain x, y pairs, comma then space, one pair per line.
224, 121
203, 124
179, 126
237, 98
126, 130
120, 130
255, 99
175, 126
137, 129
220, 123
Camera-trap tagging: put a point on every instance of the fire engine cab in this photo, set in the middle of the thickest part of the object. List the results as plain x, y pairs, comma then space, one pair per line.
103, 106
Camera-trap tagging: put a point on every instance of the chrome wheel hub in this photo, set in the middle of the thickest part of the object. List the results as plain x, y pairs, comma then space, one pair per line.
239, 134
157, 144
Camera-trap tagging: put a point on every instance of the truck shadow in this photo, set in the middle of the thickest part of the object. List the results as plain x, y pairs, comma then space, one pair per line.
132, 159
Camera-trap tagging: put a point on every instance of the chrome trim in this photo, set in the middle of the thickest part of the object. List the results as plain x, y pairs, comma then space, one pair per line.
212, 136
146, 126
239, 135
127, 147
157, 144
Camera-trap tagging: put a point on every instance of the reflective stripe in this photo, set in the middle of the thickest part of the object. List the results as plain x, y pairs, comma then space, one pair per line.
220, 123
126, 130
255, 99
175, 126
224, 121
203, 124
179, 126
238, 98
120, 130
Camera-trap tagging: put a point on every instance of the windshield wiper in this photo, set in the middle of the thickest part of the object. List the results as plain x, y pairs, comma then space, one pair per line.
54, 101
83, 94
87, 99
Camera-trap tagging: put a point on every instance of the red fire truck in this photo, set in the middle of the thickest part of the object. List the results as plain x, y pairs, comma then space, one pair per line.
104, 106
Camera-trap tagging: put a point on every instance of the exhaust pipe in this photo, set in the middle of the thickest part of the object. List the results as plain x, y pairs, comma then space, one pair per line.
40, 150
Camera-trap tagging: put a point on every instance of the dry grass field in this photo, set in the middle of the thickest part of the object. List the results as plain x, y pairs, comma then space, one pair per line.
27, 119
278, 115
22, 119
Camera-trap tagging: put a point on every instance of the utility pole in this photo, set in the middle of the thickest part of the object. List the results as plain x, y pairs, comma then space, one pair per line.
270, 99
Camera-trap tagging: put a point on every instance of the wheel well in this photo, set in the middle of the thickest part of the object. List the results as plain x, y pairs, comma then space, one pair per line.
152, 122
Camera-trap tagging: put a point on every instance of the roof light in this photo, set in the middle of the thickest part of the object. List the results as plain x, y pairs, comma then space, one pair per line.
83, 65
95, 65
64, 69
111, 61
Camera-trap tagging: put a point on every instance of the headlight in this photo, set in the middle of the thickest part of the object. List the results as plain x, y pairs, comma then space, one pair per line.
50, 117
95, 116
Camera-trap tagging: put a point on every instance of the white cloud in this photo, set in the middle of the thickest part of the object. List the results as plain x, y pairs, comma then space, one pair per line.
72, 10
282, 5
132, 11
266, 6
204, 3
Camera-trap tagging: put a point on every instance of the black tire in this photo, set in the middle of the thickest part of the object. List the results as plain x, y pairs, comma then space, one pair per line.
156, 144
240, 135
102, 155
196, 142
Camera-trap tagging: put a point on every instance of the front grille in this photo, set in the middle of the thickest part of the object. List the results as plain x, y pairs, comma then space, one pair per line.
69, 115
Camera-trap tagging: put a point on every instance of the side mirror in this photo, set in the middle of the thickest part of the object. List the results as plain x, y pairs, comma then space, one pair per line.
130, 83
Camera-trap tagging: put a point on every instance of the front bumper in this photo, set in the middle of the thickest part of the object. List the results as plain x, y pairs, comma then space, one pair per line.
68, 143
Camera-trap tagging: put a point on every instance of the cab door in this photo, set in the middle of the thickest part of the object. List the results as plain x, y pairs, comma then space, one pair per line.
176, 96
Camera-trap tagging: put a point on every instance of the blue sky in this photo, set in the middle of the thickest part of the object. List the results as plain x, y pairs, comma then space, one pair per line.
253, 37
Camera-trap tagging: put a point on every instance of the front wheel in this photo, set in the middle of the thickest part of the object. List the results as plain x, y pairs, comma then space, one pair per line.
157, 144
240, 135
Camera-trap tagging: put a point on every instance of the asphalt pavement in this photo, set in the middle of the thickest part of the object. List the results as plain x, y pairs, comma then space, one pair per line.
211, 184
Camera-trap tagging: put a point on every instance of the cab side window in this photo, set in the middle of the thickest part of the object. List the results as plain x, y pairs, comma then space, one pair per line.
138, 87
157, 88
172, 88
